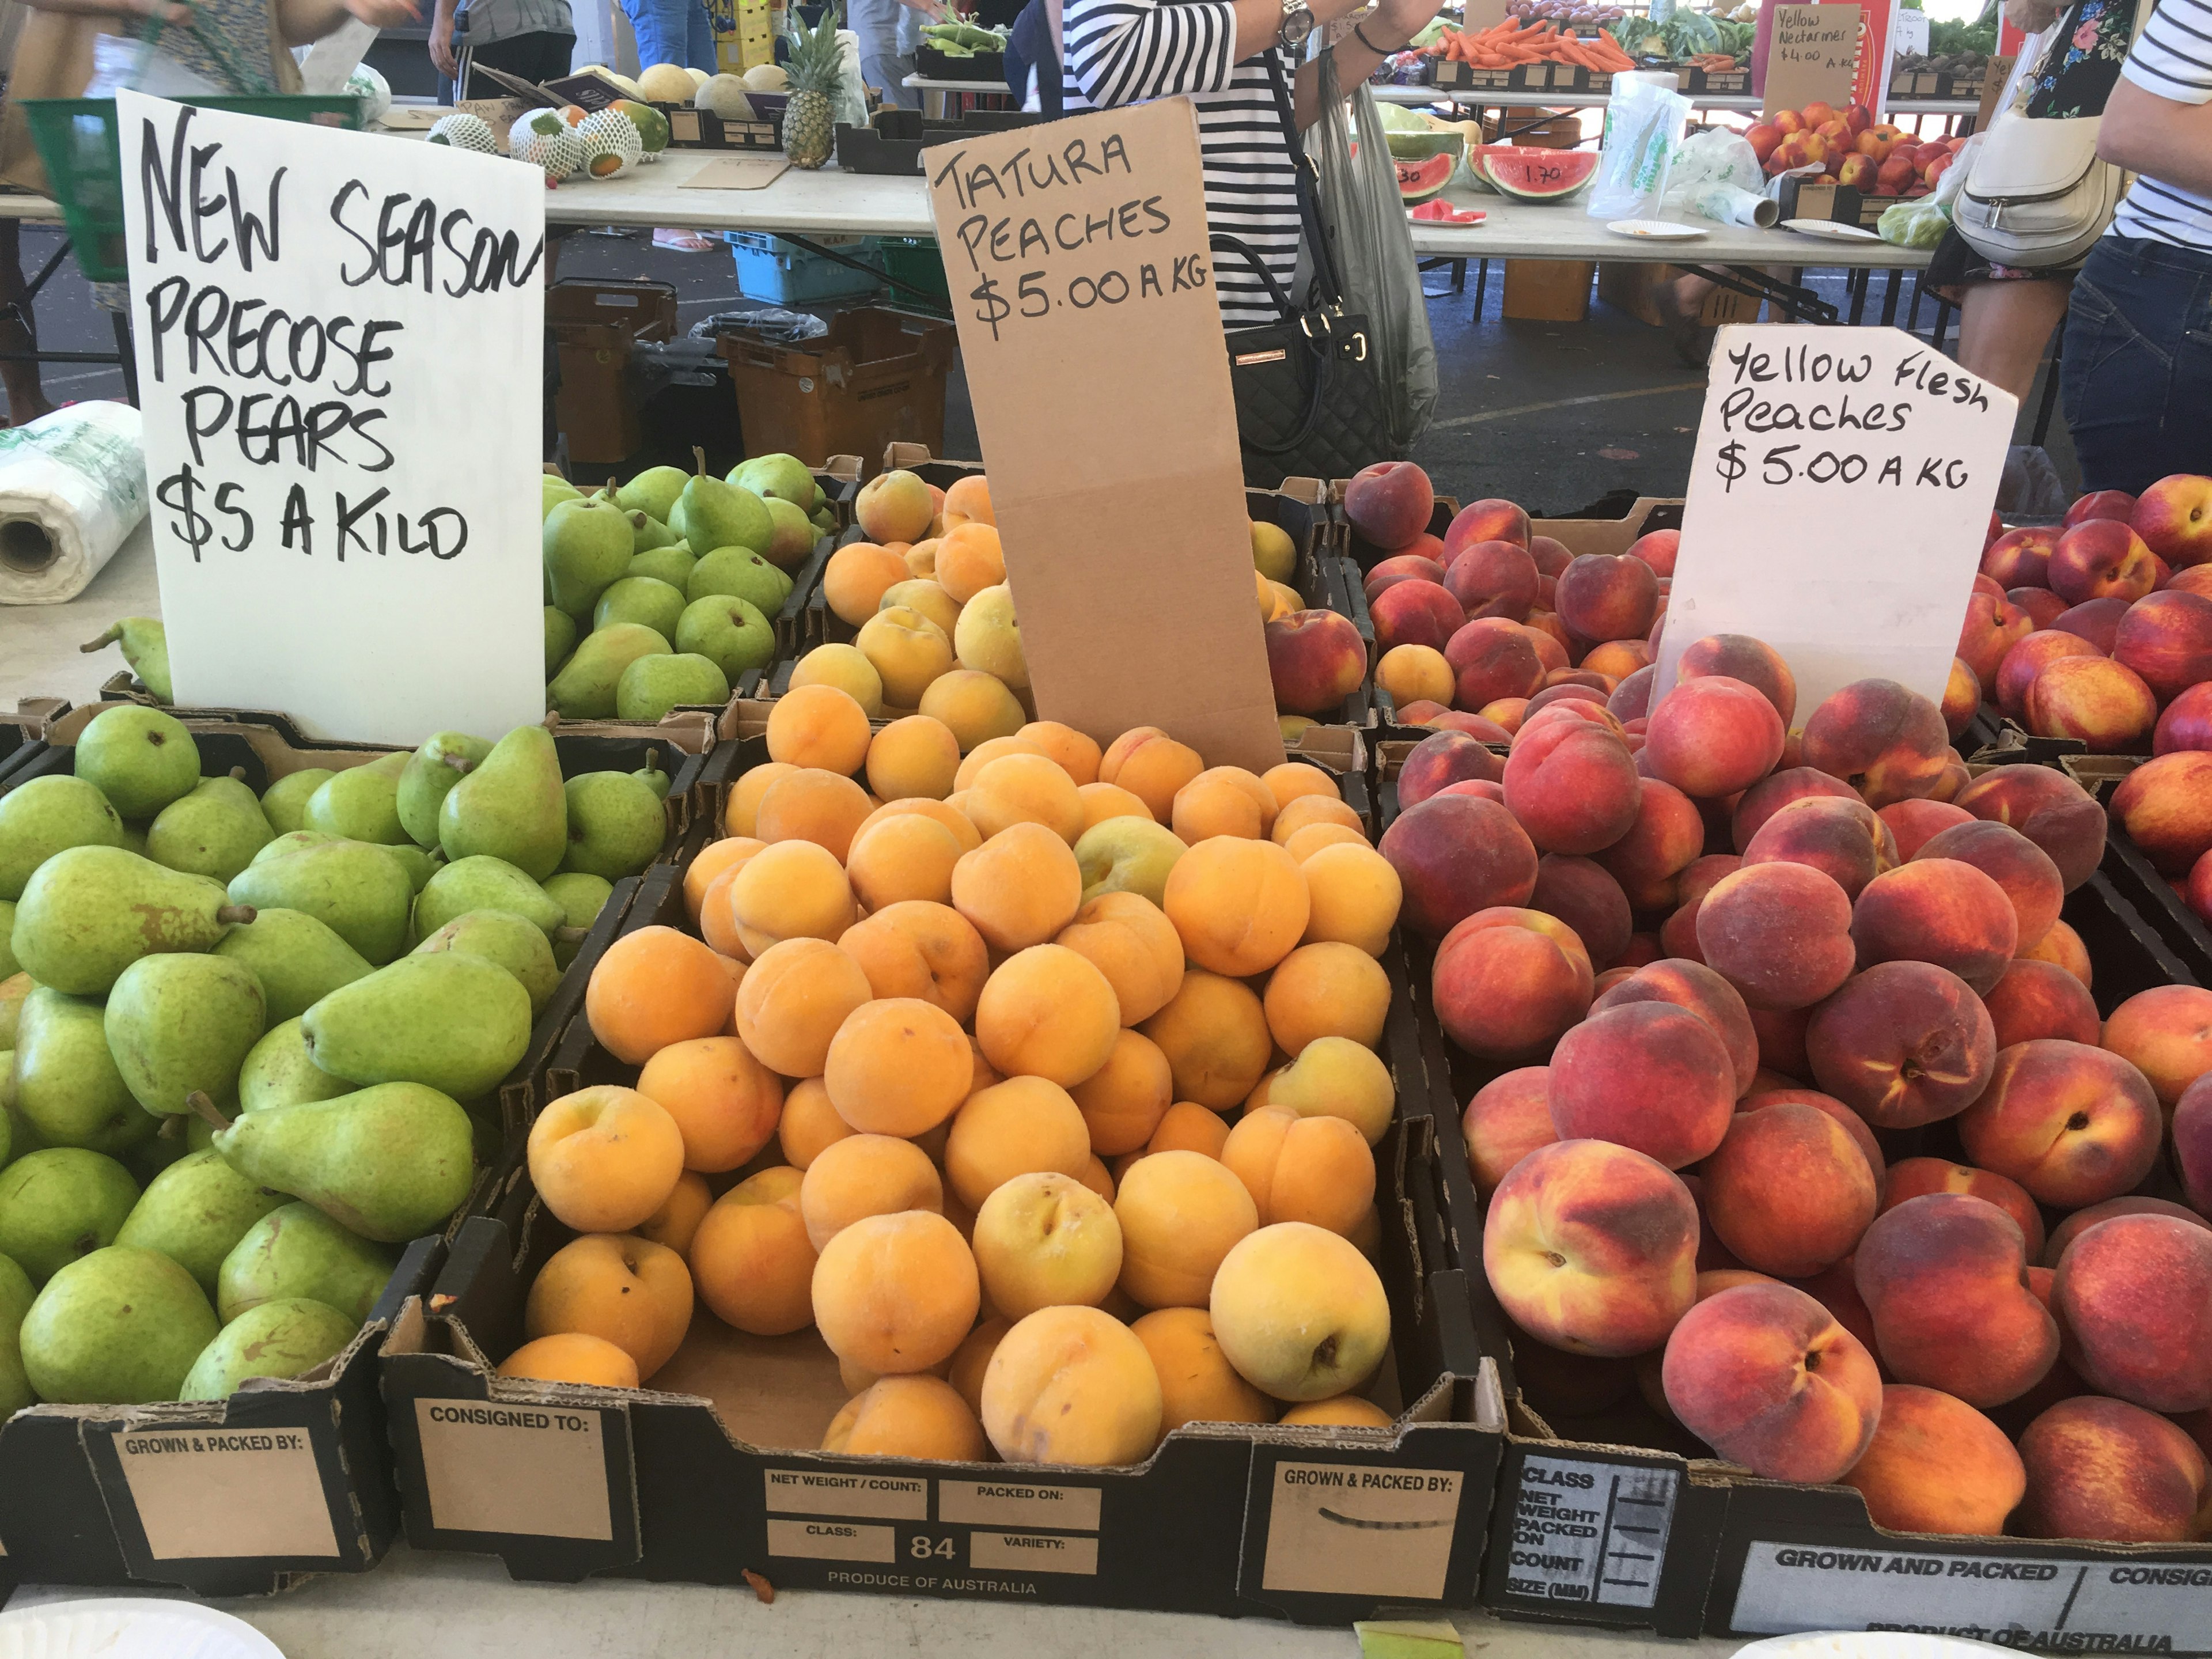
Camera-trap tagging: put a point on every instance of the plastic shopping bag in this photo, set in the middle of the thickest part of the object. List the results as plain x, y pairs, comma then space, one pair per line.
1717, 175
1643, 125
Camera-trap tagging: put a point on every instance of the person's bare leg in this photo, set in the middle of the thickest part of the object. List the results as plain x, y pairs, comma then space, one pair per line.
26, 398
2004, 328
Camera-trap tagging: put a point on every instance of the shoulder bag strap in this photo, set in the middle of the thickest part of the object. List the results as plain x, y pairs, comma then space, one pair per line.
1308, 175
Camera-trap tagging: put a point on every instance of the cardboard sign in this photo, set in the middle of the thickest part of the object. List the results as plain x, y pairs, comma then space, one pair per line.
346, 527
1077, 256
1814, 57
1840, 493
203, 1491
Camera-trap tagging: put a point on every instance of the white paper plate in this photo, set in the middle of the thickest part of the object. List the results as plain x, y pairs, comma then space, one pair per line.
1831, 228
1658, 230
1868, 1644
125, 1628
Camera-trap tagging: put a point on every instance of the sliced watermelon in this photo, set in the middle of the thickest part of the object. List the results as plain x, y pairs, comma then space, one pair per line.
1444, 213
1529, 173
1420, 180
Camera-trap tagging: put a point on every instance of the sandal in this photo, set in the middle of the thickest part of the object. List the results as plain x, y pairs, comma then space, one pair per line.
684, 241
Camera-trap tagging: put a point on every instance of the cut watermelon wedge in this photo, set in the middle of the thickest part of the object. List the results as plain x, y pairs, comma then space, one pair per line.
1529, 173
1444, 213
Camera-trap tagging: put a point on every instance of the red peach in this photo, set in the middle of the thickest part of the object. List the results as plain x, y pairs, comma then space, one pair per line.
1400, 568
2197, 891
1580, 893
1455, 856
2165, 1033
2103, 703
1739, 657
1551, 556
1777, 790
2105, 1470
1788, 1189
1592, 1247
2041, 999
1781, 1033
1316, 658
1945, 1276
1937, 910
1779, 933
2165, 806
1493, 658
1902, 1044
1916, 823
1646, 1075
1666, 836
2097, 621
1696, 988
1617, 658
1962, 698
1659, 549
2020, 558
2054, 1247
1842, 838
1441, 759
1713, 736
2100, 504
1390, 503
1886, 741
1569, 685
2168, 639
1506, 981
1487, 521
2192, 1142
1508, 1118
2043, 606
2049, 808
1992, 627
1917, 1177
1572, 785
1937, 1465
1604, 596
1631, 698
1766, 1094
1554, 644
2135, 1295
2073, 1125
2187, 722
1415, 613
2063, 948
1480, 788
2174, 517
1493, 579
2028, 658
1764, 1375
1473, 726
2030, 880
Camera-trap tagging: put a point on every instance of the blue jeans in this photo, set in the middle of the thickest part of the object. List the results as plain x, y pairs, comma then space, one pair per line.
889, 33
2138, 361
672, 32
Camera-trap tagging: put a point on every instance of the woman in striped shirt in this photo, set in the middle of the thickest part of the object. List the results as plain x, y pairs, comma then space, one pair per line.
2138, 361
1225, 55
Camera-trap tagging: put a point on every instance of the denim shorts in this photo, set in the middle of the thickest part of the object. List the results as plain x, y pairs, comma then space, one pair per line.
2138, 363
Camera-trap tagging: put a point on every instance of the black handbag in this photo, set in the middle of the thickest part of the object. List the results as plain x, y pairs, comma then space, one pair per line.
1309, 402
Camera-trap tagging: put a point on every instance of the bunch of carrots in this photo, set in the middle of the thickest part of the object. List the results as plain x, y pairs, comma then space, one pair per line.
1714, 62
1514, 41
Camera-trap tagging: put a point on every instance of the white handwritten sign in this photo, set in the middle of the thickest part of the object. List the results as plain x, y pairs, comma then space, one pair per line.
338, 339
1840, 493
1815, 55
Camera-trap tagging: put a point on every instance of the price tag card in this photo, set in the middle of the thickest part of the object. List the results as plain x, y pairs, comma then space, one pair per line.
1098, 369
1814, 57
1840, 493
338, 340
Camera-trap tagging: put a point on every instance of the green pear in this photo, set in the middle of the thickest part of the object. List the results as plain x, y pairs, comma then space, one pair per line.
359, 891
298, 1251
616, 825
66, 1084
17, 1295
712, 513
360, 803
671, 564
585, 687
586, 543
9, 966
778, 478
214, 831
730, 633
653, 778
739, 573
46, 816
389, 1162
90, 911
291, 840
509, 806
794, 536
279, 1071
560, 638
294, 958
140, 758
278, 1339
194, 1213
134, 838
12, 991
159, 1150
419, 865
824, 521
656, 490
651, 686
642, 599
553, 491
453, 1022
180, 1024
284, 803
505, 940
581, 897
483, 883
146, 648
443, 759
120, 1327
60, 1204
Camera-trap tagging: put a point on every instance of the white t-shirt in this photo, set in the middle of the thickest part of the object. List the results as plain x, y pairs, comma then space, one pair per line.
2172, 59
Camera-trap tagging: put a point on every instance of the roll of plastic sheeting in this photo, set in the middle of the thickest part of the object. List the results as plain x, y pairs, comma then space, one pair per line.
72, 486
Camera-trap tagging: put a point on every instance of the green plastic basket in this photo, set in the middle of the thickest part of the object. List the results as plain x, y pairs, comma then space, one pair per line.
78, 140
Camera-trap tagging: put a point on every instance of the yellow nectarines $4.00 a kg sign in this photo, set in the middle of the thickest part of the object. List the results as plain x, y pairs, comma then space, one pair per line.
1069, 955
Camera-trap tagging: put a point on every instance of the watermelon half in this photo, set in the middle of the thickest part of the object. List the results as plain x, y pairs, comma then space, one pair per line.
1527, 172
1425, 162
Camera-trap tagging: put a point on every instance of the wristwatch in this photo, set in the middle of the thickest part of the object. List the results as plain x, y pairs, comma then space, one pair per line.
1298, 23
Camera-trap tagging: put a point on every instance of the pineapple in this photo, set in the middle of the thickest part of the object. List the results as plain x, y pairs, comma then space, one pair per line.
817, 70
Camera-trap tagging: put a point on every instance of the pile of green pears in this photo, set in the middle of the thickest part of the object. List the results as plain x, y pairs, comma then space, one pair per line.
248, 1047
672, 582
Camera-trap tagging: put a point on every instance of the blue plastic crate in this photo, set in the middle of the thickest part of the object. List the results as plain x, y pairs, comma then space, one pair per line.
770, 267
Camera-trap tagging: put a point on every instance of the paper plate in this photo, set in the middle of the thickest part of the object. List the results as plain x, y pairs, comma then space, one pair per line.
1830, 228
1658, 230
126, 1628
1868, 1644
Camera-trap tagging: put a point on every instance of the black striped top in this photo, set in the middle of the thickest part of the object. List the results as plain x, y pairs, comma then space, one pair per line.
2172, 59
1125, 51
